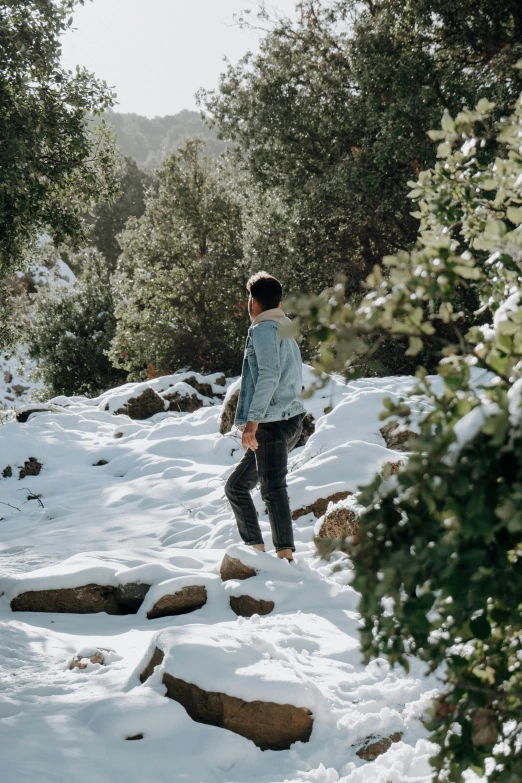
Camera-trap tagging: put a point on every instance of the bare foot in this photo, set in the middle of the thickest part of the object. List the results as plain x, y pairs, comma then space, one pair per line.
260, 547
285, 554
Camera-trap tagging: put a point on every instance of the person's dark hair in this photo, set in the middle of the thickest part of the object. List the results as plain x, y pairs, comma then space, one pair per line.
265, 289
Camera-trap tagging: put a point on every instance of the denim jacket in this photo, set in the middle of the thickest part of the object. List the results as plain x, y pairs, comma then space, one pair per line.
271, 377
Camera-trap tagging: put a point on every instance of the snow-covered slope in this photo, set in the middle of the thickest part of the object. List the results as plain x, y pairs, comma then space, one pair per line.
155, 512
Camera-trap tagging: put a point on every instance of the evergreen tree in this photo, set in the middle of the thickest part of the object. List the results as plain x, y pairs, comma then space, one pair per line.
51, 167
109, 218
330, 119
71, 330
180, 281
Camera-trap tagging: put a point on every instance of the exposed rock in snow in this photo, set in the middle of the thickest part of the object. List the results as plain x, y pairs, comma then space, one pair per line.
376, 747
233, 568
143, 406
87, 599
228, 412
183, 601
340, 521
308, 430
319, 506
31, 467
398, 438
246, 606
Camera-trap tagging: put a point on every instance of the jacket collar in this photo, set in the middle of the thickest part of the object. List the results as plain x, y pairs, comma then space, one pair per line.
274, 314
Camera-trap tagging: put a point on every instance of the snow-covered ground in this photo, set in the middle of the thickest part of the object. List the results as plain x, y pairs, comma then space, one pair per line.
155, 512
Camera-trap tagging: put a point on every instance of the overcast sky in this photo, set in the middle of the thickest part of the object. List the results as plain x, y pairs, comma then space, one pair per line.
157, 53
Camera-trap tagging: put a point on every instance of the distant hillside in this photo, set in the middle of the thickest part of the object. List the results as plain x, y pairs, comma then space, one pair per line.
150, 141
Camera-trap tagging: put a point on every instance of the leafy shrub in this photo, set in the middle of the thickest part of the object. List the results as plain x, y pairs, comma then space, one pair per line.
180, 284
442, 541
71, 331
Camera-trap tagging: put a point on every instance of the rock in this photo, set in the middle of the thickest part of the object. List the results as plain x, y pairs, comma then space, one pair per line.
100, 462
232, 568
246, 606
392, 468
88, 599
135, 737
144, 405
308, 429
220, 380
183, 601
340, 523
226, 420
270, 726
319, 506
22, 416
397, 439
8, 376
157, 658
19, 389
31, 468
7, 471
118, 435
130, 597
376, 747
80, 661
183, 403
203, 388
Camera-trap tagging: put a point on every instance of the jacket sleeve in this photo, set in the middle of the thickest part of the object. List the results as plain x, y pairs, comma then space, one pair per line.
266, 343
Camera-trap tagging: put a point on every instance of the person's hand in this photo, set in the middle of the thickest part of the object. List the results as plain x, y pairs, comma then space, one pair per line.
248, 439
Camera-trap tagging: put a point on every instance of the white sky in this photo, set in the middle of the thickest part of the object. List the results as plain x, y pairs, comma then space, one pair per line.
157, 53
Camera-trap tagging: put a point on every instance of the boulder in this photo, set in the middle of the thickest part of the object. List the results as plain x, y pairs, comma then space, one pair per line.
319, 507
232, 568
157, 658
22, 416
392, 468
31, 468
340, 523
226, 420
88, 599
376, 747
130, 597
396, 438
203, 388
246, 606
308, 429
144, 405
183, 601
270, 726
183, 403
81, 661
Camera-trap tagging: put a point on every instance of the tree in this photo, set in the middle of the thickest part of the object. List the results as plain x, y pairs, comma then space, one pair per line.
181, 281
329, 118
443, 541
109, 218
71, 330
51, 166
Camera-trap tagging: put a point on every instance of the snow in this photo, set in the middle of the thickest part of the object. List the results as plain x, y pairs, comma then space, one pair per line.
156, 513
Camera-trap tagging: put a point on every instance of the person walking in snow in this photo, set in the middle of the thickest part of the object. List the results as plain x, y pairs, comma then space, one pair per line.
270, 414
